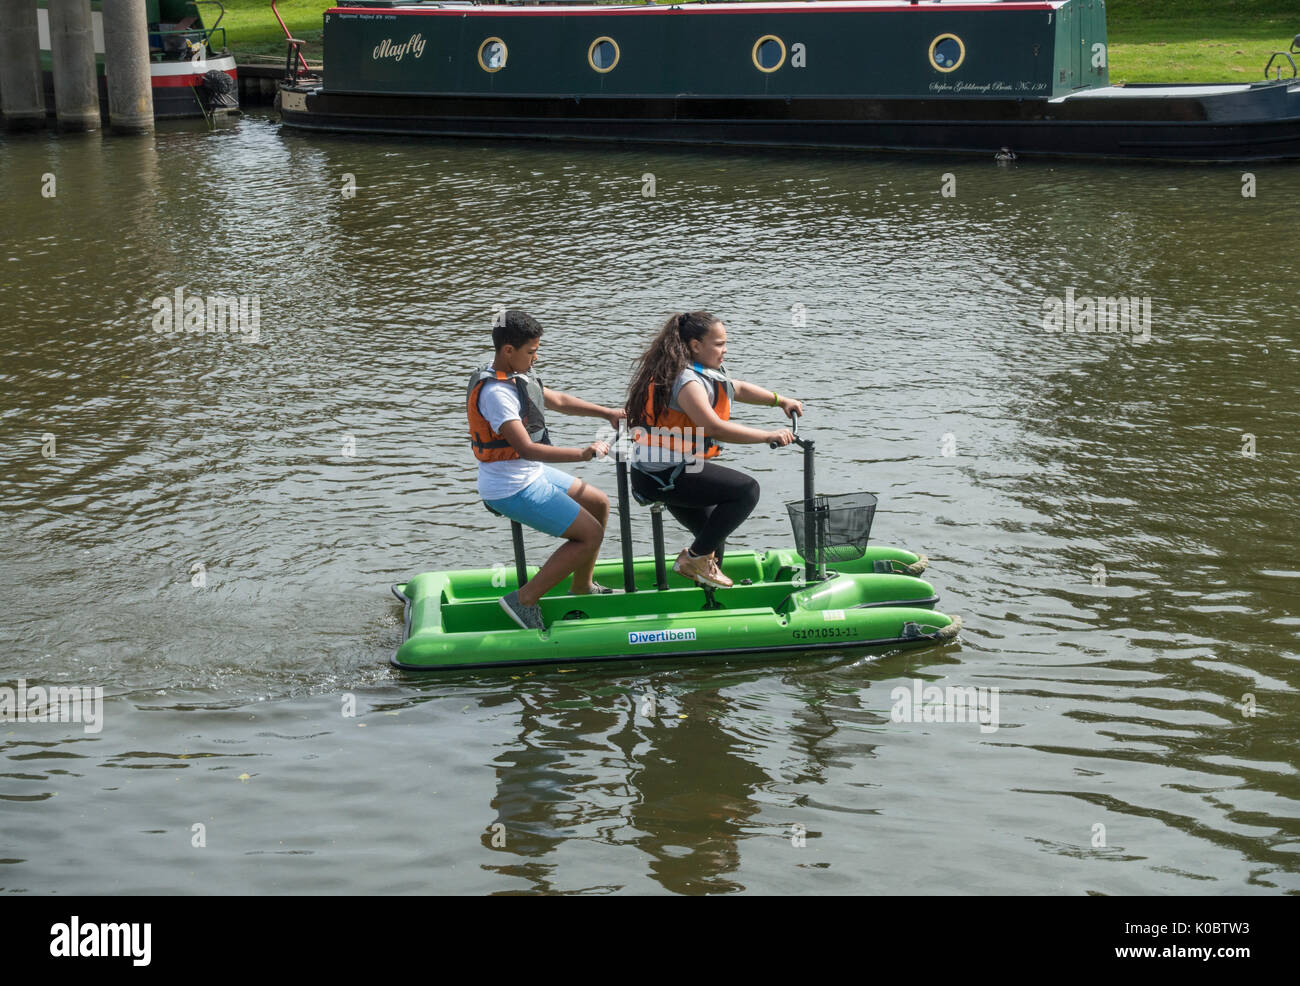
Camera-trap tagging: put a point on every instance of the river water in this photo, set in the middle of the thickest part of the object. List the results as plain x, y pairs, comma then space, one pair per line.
207, 525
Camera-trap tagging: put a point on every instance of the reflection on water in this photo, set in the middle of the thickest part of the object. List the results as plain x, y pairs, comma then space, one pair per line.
212, 533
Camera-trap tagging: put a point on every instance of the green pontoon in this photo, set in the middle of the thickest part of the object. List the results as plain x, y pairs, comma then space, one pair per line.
845, 595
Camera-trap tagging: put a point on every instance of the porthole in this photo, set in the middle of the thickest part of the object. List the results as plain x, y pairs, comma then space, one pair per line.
947, 52
492, 55
769, 53
603, 54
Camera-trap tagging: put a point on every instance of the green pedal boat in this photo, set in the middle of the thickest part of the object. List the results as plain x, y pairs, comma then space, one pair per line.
841, 595
453, 619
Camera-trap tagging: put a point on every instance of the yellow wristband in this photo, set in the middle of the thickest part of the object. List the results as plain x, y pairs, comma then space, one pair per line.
776, 399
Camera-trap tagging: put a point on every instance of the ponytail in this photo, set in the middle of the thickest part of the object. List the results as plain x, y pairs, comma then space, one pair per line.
669, 353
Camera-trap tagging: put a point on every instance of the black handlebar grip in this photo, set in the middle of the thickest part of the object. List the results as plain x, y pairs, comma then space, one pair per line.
794, 428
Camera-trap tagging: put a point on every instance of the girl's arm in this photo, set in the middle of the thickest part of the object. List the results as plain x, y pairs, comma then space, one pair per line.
694, 401
514, 433
751, 393
568, 404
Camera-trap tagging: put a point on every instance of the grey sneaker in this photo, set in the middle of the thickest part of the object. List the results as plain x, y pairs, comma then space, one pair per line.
528, 617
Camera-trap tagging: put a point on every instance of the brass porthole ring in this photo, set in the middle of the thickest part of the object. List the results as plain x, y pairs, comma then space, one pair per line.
947, 52
492, 55
760, 46
603, 50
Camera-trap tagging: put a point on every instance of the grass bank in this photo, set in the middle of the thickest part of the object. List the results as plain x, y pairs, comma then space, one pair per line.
1150, 40
1197, 40
255, 36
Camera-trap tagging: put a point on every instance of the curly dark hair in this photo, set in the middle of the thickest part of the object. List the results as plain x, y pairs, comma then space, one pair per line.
668, 355
514, 328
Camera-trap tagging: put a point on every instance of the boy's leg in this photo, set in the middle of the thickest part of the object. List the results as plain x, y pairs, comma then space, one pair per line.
595, 503
591, 499
546, 507
582, 540
550, 503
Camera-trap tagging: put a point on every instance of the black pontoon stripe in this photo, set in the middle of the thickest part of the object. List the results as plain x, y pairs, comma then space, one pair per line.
798, 648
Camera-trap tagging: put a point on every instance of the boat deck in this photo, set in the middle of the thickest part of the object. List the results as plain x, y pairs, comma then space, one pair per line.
1168, 91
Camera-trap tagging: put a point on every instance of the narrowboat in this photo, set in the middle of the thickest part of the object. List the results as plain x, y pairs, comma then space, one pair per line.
997, 77
191, 74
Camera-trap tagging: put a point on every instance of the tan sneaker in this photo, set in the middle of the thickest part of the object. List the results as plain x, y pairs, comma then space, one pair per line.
703, 570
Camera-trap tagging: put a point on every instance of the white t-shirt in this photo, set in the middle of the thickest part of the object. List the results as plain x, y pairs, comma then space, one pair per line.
498, 402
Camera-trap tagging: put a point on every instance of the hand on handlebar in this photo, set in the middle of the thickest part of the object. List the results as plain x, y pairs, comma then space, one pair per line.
776, 439
595, 449
790, 407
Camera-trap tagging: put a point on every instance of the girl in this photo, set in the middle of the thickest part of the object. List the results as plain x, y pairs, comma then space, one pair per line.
679, 402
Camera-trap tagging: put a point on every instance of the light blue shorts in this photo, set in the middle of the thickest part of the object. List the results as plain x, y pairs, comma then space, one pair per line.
543, 504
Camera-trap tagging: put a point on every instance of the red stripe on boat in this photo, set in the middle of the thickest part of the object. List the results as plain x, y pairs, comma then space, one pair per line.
173, 81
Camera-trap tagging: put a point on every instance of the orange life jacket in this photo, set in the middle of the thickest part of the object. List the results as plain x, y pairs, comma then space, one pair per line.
664, 430
489, 445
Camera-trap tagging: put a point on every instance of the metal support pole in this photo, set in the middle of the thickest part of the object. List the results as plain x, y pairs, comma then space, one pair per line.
126, 62
290, 64
625, 527
657, 525
811, 566
72, 50
521, 563
22, 91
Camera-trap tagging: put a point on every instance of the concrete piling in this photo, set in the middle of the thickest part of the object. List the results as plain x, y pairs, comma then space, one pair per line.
126, 63
22, 93
72, 50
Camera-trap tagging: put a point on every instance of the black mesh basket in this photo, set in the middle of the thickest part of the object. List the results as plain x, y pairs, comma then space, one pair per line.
837, 528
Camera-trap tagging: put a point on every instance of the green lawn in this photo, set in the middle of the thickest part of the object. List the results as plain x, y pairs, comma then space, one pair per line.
254, 33
1197, 40
1150, 40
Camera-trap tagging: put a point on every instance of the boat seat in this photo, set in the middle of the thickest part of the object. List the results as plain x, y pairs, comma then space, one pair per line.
517, 540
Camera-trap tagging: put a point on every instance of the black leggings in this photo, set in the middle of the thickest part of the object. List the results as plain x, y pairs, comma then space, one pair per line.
710, 503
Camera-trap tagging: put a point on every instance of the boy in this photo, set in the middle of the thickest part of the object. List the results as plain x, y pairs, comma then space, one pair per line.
507, 427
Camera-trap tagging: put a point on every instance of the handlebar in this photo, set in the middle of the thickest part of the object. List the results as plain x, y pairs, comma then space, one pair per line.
794, 428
